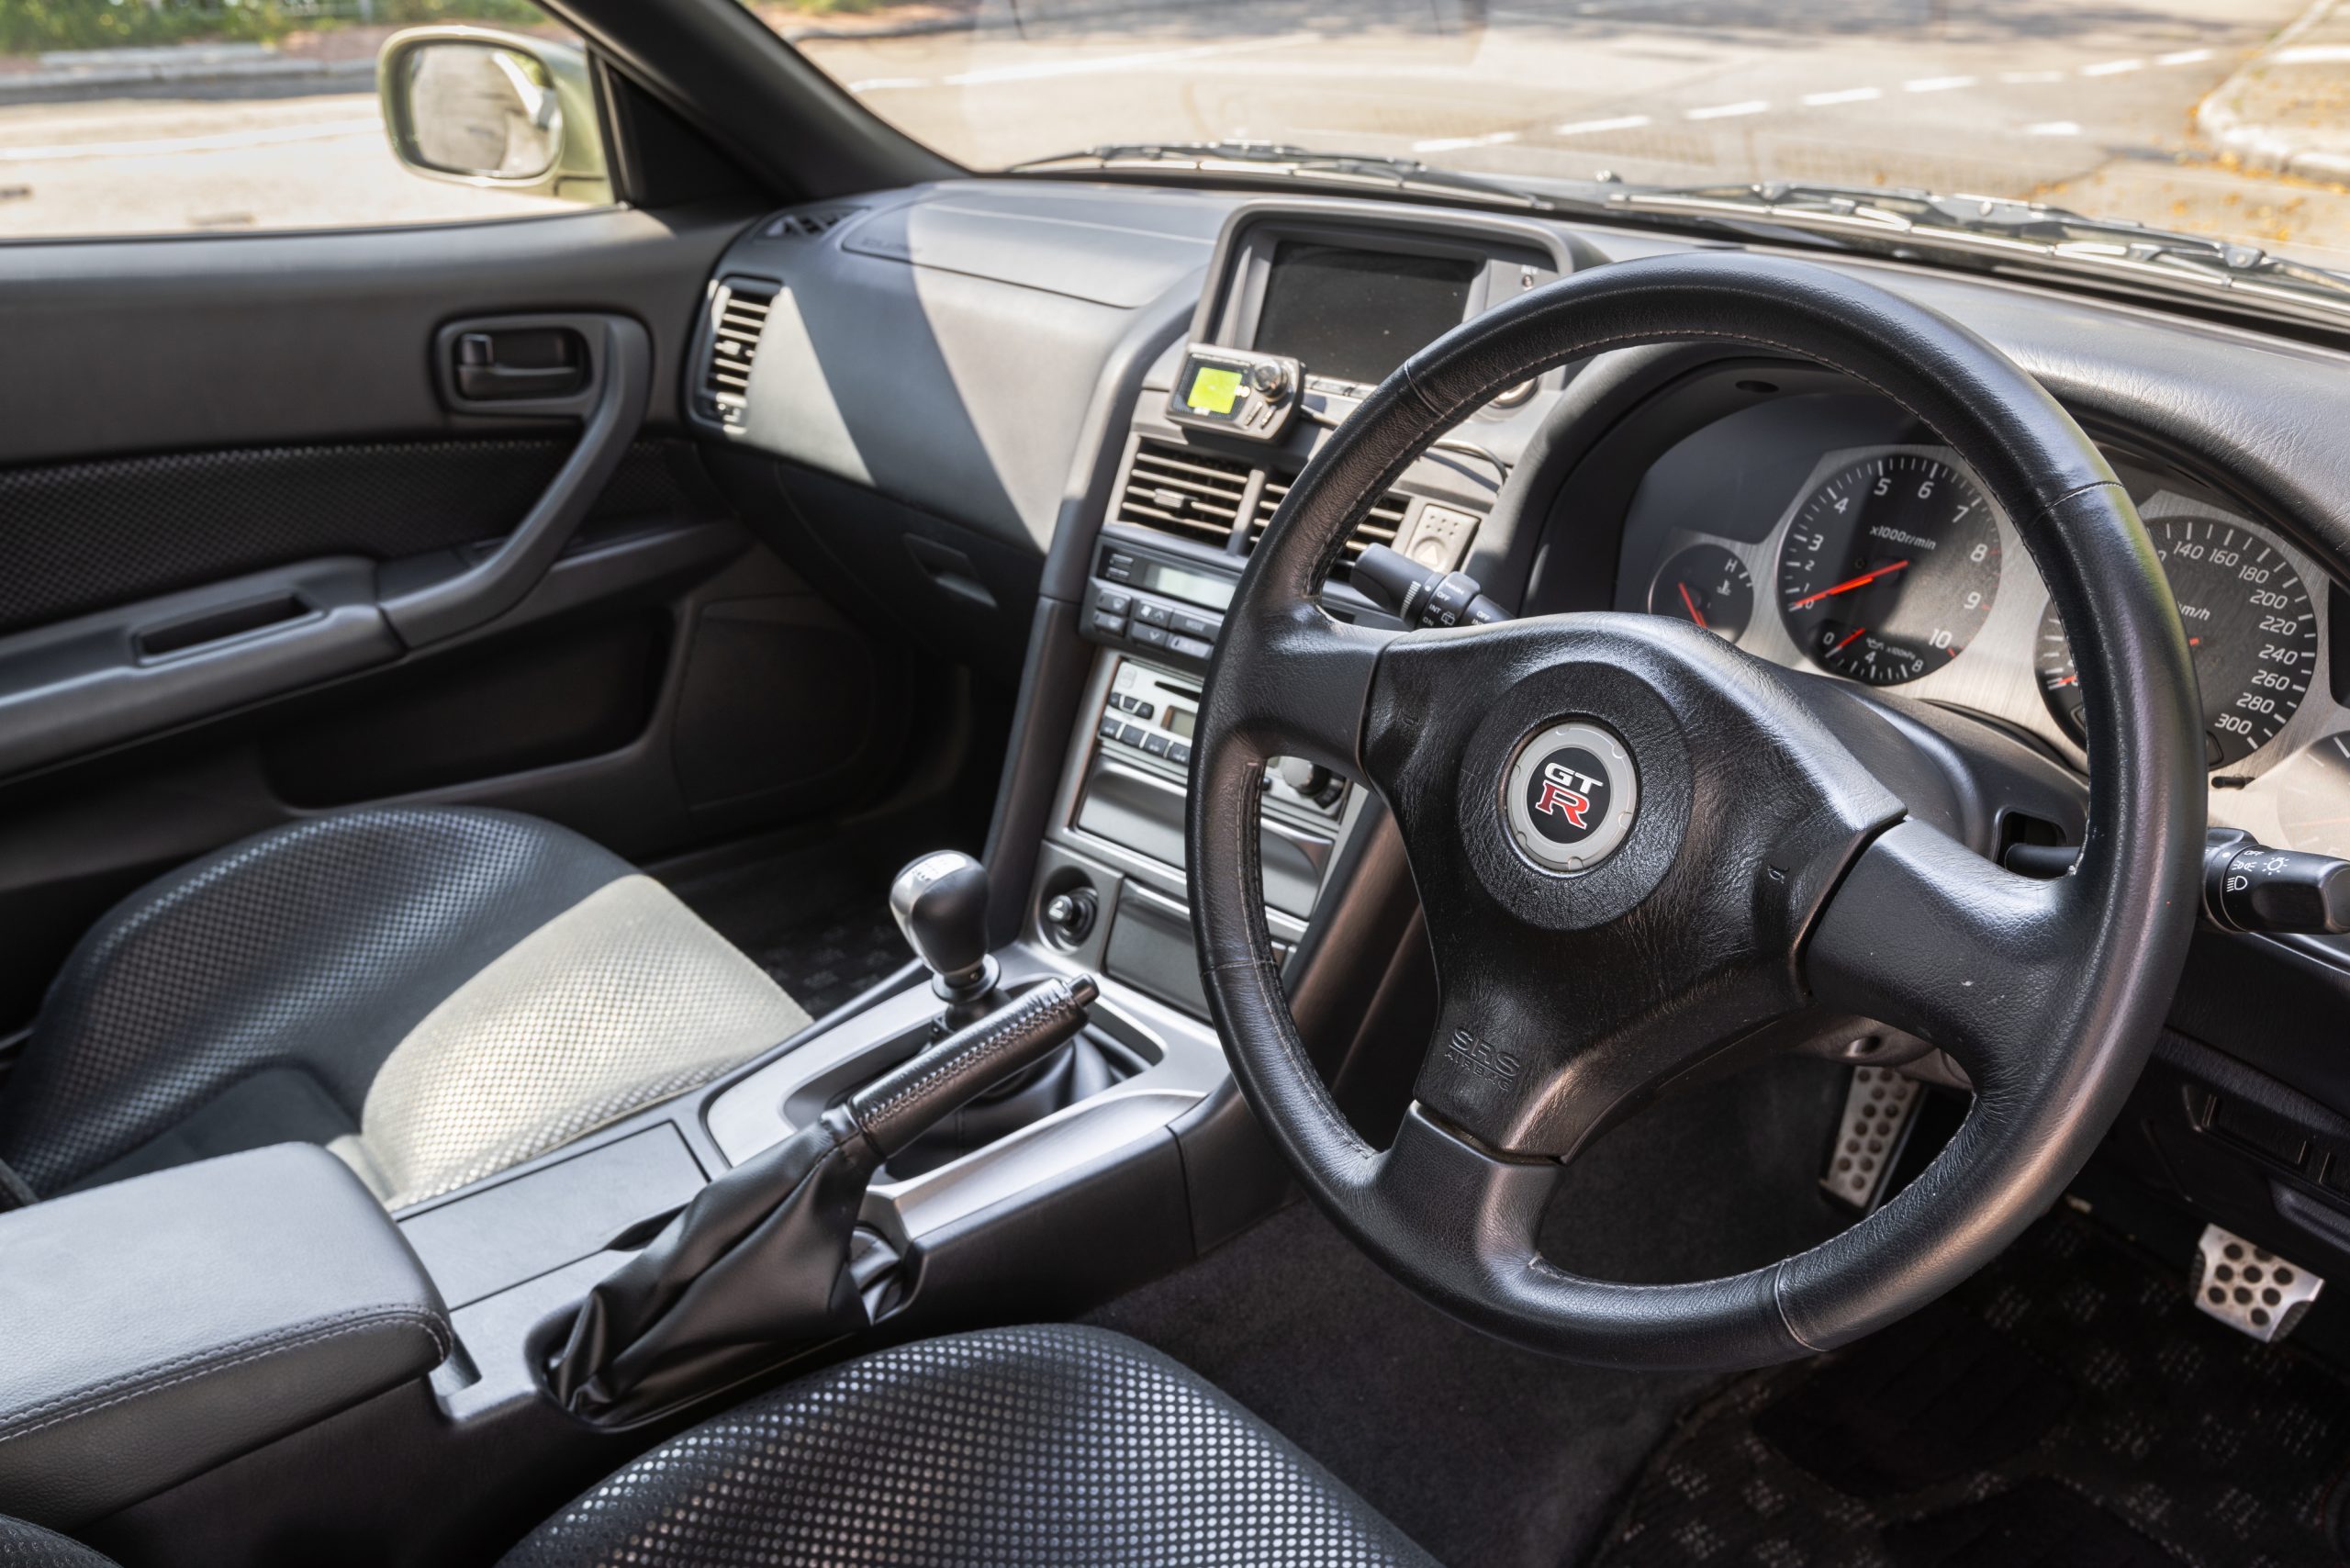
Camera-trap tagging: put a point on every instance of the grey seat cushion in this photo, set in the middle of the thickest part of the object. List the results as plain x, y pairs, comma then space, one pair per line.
1048, 1447
434, 993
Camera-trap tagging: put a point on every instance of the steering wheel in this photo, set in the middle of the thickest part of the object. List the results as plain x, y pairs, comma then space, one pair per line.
1634, 844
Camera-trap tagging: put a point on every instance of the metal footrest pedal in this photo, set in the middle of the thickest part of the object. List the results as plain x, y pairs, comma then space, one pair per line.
1880, 1107
2249, 1288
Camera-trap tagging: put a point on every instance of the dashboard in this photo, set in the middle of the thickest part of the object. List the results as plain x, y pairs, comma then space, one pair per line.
979, 405
1830, 534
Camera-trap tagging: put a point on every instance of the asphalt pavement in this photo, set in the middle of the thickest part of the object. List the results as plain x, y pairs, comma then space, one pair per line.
2093, 101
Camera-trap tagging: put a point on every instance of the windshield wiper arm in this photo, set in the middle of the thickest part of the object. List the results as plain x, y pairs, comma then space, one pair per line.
1371, 169
2023, 233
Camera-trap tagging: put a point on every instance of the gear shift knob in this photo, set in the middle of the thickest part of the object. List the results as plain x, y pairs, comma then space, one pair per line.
941, 904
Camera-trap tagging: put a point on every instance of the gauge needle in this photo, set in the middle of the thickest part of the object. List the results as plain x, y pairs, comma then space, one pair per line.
1855, 632
1694, 613
1862, 581
2063, 680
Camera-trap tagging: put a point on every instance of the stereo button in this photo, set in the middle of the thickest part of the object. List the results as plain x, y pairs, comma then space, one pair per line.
1188, 647
1151, 636
1156, 744
1109, 626
1151, 614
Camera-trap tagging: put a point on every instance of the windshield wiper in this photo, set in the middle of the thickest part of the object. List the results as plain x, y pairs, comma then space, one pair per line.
2024, 234
1371, 170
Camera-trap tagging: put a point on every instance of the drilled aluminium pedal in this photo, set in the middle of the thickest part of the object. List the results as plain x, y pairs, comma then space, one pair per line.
1879, 1110
2249, 1288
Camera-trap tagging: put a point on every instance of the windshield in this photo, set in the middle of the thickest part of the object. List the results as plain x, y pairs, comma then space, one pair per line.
2222, 118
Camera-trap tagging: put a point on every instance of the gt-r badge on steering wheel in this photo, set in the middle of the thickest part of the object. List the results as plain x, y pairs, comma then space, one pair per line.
1571, 795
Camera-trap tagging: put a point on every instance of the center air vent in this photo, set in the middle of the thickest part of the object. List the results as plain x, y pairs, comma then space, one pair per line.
740, 316
1179, 490
1386, 519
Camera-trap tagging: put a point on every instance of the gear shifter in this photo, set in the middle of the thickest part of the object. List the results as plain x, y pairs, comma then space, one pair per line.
941, 904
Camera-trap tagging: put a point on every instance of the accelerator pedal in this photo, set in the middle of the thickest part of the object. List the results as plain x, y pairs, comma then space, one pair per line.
2250, 1288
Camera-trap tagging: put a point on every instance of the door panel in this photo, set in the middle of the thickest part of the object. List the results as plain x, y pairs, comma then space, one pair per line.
244, 485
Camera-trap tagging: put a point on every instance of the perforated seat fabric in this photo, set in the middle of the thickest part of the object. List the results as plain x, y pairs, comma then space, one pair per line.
1048, 1447
434, 993
30, 1546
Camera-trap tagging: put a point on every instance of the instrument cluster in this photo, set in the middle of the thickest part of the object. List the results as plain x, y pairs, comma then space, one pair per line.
1891, 567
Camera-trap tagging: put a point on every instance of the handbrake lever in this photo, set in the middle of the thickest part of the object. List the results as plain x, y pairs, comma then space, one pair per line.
761, 1260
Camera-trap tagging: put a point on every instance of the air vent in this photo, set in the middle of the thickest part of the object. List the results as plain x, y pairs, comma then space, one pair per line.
808, 224
1386, 519
740, 317
1191, 494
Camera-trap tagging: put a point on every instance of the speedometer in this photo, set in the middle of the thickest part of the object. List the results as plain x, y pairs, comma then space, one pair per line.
1889, 568
2249, 623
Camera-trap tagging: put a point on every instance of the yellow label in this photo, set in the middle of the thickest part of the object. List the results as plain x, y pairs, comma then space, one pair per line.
1213, 391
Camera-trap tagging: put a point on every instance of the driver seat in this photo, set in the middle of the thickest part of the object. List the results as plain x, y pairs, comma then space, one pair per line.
1047, 1447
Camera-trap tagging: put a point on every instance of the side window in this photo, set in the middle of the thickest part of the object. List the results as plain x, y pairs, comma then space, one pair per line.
163, 117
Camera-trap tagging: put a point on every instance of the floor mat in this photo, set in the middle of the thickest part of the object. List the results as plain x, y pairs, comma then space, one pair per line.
814, 915
2067, 1406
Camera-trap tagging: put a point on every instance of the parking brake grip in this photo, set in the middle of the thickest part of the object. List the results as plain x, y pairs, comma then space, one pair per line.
768, 1257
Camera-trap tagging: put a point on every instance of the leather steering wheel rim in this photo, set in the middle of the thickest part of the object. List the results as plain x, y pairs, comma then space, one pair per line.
1778, 876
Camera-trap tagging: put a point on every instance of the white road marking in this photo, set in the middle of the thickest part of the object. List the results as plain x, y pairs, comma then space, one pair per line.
2113, 67
2184, 57
1593, 126
1936, 83
1454, 143
2312, 54
1045, 69
1848, 95
1726, 111
217, 143
2053, 128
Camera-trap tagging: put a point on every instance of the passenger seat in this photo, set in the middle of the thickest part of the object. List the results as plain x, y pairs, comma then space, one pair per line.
432, 993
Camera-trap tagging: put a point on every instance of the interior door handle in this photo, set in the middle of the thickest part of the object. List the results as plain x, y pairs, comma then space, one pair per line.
620, 376
495, 366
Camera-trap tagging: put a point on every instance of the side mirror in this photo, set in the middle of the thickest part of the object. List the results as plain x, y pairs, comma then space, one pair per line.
482, 107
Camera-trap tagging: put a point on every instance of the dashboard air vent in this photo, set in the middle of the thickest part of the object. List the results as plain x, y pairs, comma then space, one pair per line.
740, 318
1175, 490
808, 224
1386, 519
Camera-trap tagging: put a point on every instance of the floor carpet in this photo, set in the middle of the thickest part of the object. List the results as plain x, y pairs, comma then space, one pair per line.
2067, 1406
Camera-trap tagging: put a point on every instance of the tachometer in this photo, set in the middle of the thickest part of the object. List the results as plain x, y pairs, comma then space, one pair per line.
1708, 586
2249, 622
1889, 568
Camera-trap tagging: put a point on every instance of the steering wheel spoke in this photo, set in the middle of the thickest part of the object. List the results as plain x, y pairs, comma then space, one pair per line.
1927, 936
1308, 687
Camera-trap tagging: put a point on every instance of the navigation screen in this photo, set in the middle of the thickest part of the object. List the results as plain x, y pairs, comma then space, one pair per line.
1356, 315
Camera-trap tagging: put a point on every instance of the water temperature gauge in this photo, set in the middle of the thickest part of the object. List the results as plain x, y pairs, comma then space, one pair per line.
1708, 586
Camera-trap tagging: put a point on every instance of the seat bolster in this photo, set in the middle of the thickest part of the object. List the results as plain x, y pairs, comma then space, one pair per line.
1049, 1444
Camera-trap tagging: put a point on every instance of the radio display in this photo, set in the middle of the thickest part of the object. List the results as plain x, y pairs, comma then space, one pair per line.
1180, 720
1202, 588
1357, 314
